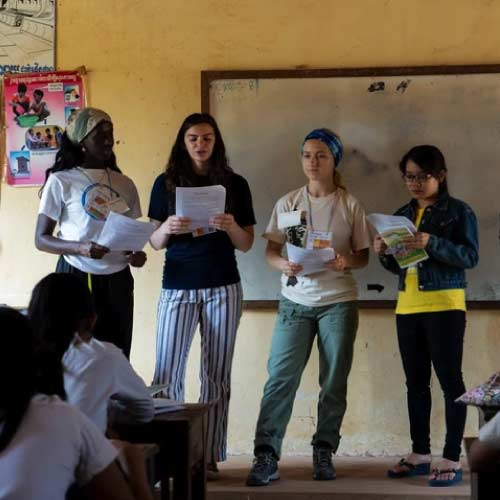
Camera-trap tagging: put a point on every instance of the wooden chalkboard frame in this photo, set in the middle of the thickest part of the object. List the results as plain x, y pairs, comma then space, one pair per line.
209, 76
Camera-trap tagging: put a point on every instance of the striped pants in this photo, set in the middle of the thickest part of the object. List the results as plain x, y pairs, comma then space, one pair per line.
217, 311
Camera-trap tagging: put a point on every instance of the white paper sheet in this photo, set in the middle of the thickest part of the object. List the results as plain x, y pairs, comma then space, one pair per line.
200, 204
312, 260
124, 234
288, 219
164, 405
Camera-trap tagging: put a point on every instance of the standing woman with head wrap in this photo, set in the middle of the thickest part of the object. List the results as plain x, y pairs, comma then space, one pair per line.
322, 305
80, 190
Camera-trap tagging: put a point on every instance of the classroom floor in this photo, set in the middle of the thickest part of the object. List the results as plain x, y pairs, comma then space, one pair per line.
359, 478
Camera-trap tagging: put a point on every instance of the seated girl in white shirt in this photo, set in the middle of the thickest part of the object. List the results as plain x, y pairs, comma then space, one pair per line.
46, 445
94, 373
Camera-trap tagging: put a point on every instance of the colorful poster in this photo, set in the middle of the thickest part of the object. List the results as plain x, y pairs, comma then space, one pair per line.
27, 34
37, 108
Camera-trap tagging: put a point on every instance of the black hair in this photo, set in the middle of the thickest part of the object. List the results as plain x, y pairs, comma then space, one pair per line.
70, 156
179, 170
430, 160
18, 371
38, 92
59, 303
22, 87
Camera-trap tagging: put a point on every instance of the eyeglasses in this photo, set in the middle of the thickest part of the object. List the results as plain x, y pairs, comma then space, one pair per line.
419, 178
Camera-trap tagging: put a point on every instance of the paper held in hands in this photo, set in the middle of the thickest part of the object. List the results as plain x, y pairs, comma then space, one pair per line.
164, 405
312, 260
393, 229
124, 234
200, 204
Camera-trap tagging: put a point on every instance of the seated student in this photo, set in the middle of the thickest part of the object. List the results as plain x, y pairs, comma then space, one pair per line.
39, 107
95, 373
20, 102
484, 453
46, 444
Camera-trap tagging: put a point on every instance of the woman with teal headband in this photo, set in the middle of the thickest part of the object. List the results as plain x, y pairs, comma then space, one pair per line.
322, 305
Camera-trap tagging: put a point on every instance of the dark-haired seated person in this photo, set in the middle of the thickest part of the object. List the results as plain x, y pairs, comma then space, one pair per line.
46, 445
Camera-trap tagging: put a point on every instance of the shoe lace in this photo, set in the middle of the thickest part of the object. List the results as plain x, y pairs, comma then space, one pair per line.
262, 461
323, 457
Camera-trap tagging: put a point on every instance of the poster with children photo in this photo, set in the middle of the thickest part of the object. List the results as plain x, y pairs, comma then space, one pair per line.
36, 113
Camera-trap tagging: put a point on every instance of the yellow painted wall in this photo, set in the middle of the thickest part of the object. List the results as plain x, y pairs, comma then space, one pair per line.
145, 58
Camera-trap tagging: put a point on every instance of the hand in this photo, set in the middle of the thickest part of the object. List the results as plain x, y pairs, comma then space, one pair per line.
92, 250
379, 245
136, 259
223, 222
290, 268
176, 225
418, 240
338, 264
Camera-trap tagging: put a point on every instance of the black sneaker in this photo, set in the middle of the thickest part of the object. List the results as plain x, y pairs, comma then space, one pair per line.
322, 464
264, 469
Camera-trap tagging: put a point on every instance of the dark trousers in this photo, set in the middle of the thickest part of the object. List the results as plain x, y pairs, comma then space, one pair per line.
114, 302
436, 338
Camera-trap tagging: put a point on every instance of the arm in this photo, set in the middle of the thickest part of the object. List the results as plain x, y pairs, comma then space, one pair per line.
241, 237
130, 392
46, 242
109, 484
274, 259
482, 456
355, 260
463, 252
358, 259
173, 225
388, 261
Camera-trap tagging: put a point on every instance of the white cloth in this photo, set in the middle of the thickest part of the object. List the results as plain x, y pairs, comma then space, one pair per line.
97, 373
349, 233
54, 446
63, 200
490, 432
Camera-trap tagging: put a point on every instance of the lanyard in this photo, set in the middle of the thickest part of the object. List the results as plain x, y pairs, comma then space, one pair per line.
309, 211
92, 181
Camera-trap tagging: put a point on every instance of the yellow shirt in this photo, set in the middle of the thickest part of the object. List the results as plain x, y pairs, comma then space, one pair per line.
411, 300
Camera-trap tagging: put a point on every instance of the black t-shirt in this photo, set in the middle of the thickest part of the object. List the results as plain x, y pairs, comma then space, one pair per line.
206, 261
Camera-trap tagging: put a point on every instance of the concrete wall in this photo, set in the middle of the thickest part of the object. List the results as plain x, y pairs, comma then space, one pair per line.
144, 61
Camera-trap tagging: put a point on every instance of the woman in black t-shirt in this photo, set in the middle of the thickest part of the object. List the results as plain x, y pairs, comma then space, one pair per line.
201, 283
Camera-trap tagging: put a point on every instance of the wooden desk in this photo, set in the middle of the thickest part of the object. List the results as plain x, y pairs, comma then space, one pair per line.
181, 460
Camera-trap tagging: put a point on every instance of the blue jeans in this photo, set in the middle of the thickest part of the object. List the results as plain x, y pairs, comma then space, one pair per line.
296, 327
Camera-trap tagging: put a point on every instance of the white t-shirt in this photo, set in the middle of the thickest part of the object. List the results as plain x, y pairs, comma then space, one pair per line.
490, 432
54, 446
349, 233
79, 200
97, 373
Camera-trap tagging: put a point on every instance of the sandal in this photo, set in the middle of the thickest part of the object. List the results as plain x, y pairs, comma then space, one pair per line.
445, 482
411, 469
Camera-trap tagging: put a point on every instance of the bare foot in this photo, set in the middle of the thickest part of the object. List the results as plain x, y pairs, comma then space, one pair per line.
413, 459
443, 465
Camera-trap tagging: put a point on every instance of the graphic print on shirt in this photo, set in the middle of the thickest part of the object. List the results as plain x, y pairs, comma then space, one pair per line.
98, 199
296, 235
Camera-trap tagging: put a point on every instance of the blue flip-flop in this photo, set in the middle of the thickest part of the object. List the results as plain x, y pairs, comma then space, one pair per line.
412, 470
446, 482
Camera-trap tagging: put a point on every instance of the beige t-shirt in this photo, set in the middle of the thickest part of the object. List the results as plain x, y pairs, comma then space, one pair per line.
349, 233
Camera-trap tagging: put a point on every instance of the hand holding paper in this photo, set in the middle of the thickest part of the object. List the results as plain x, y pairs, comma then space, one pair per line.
124, 234
200, 204
311, 260
401, 237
